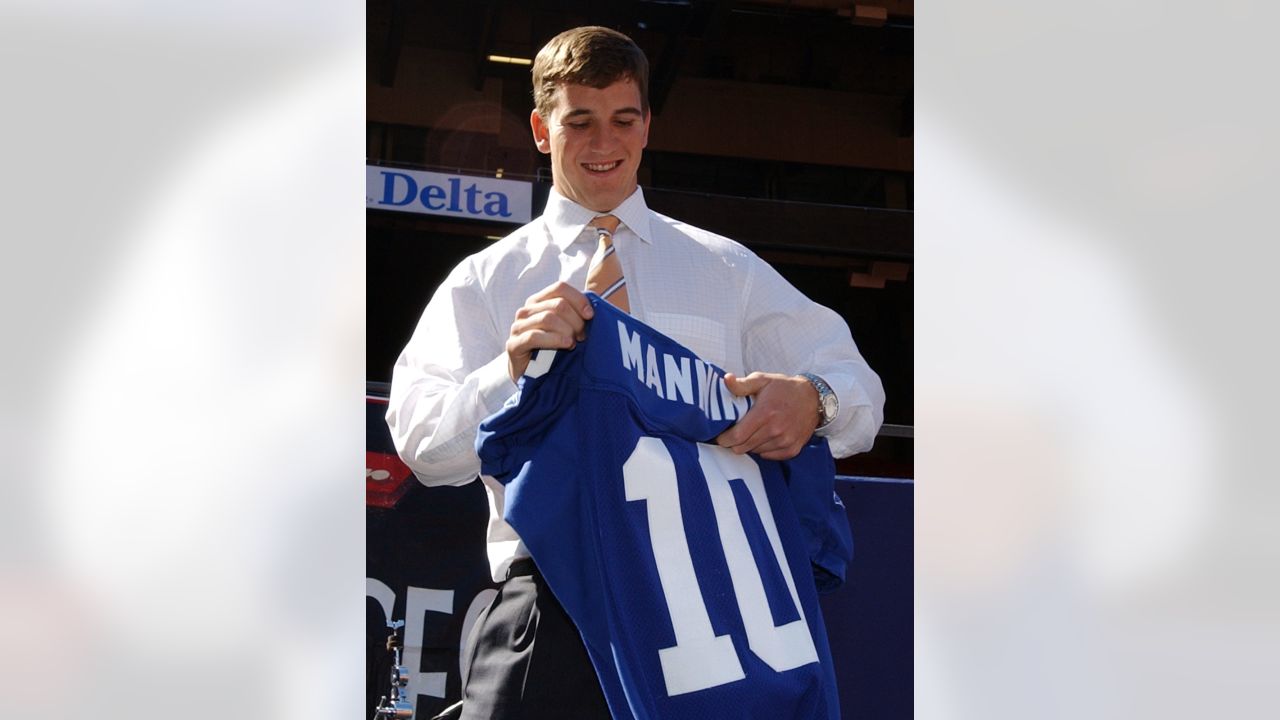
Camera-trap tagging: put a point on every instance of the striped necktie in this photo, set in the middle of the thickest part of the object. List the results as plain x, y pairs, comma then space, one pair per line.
605, 276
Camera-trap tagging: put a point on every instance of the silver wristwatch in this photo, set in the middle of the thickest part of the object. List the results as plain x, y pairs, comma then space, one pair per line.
828, 403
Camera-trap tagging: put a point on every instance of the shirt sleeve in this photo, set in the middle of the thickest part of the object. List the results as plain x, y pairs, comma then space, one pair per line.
451, 375
786, 332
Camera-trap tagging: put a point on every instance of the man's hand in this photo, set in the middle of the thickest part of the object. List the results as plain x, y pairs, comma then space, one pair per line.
777, 426
553, 318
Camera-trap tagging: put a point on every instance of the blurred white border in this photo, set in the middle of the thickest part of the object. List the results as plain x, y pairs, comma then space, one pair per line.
183, 417
190, 409
1092, 310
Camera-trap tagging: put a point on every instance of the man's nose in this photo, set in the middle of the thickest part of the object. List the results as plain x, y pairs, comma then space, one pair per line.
603, 138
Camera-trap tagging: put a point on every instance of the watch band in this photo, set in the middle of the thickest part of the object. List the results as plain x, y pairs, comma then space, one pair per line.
828, 403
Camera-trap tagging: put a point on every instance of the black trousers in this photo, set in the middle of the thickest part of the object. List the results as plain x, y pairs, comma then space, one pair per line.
528, 660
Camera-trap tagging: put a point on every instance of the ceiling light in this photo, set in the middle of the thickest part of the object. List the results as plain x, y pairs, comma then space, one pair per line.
510, 60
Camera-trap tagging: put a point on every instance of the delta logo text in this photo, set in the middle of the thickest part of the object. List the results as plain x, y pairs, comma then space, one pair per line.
433, 193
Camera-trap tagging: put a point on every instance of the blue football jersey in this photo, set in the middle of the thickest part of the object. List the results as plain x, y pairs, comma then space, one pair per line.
688, 570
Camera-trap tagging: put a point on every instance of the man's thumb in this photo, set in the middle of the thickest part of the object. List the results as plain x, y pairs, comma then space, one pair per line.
744, 386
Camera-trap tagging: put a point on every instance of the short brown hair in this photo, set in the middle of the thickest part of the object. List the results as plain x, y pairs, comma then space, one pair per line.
593, 56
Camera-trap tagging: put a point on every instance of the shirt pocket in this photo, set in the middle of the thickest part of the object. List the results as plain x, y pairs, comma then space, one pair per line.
706, 338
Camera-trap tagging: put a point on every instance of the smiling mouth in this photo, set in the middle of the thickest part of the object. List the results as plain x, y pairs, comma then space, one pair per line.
602, 167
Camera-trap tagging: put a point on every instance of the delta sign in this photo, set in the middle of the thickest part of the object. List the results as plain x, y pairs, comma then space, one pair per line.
464, 196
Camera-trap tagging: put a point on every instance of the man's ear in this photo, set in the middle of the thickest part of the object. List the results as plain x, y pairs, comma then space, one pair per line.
541, 133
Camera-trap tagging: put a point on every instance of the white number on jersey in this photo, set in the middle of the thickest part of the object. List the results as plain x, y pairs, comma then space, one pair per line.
701, 659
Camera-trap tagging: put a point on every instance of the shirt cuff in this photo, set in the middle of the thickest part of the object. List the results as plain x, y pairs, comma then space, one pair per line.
849, 397
854, 429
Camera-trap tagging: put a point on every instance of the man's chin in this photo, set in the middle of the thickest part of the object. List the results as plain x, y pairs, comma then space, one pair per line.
601, 197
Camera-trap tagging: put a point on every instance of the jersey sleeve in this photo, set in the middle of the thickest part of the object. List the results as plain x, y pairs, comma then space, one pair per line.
811, 484
510, 437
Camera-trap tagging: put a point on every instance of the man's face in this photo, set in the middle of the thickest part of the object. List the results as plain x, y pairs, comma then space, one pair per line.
595, 138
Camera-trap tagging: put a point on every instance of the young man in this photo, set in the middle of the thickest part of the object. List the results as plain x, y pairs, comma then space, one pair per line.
525, 292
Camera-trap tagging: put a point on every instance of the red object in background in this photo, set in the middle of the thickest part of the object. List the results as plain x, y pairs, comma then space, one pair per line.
386, 479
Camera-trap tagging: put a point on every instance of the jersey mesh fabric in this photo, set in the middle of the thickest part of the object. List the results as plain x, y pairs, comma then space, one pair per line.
560, 446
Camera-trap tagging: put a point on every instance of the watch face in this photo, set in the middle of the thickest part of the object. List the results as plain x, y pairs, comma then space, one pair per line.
829, 407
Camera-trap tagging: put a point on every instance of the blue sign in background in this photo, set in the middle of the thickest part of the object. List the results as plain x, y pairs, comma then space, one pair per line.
433, 539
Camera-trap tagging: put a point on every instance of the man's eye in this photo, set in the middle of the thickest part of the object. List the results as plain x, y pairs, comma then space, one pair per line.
578, 126
625, 123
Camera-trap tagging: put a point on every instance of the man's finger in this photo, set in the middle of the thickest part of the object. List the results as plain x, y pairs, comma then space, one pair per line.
525, 343
547, 322
758, 439
783, 454
781, 443
749, 385
560, 318
760, 442
741, 434
571, 295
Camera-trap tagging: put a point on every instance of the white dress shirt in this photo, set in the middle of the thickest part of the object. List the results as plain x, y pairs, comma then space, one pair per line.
707, 292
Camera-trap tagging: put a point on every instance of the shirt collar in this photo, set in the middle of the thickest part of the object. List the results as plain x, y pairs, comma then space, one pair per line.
566, 219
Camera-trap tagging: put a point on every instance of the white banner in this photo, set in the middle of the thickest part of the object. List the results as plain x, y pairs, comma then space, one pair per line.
431, 193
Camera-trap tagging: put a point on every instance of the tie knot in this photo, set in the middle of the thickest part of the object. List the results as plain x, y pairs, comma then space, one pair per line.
608, 223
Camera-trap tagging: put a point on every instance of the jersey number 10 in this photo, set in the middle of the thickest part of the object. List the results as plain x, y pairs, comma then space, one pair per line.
700, 659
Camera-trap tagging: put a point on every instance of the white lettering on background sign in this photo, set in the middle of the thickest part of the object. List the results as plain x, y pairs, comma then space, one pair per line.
420, 602
432, 193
